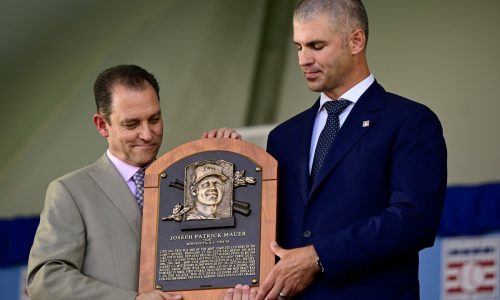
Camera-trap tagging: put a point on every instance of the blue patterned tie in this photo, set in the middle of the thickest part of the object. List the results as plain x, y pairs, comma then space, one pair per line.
139, 185
325, 141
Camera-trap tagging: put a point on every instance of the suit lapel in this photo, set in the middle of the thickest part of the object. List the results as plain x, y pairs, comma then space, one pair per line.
303, 133
117, 192
366, 109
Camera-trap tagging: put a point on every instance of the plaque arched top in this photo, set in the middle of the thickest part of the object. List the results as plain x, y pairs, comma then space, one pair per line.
258, 155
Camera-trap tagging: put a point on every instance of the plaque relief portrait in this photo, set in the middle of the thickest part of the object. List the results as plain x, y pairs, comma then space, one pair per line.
209, 190
209, 219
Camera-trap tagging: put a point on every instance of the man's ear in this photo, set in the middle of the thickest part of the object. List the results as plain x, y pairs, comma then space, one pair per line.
101, 125
192, 189
357, 41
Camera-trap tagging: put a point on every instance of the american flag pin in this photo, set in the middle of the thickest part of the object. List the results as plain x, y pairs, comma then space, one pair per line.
366, 123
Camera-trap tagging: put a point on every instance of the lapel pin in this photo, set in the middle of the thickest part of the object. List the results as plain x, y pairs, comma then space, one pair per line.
366, 123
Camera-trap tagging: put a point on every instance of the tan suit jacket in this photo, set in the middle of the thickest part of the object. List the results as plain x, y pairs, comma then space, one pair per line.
88, 242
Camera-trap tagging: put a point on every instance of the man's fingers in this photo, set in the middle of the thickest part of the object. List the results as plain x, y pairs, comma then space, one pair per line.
222, 132
209, 134
277, 289
277, 250
229, 294
245, 293
267, 286
240, 292
253, 293
237, 292
231, 134
235, 135
276, 283
227, 133
169, 296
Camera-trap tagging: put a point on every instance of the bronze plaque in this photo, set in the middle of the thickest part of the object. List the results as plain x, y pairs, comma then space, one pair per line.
209, 217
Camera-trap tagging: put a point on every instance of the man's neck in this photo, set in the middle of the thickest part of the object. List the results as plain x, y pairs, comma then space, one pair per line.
357, 74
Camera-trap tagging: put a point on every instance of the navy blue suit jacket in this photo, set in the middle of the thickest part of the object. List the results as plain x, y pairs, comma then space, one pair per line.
377, 200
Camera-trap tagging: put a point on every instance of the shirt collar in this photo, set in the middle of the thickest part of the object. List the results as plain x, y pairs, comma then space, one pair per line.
353, 94
125, 170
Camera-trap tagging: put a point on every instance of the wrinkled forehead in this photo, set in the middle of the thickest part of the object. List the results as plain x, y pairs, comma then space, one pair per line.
136, 101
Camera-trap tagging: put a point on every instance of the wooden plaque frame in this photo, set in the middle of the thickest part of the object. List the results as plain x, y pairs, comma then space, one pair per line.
152, 201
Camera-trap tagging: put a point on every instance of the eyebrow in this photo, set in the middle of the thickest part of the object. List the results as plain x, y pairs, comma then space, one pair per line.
156, 114
311, 42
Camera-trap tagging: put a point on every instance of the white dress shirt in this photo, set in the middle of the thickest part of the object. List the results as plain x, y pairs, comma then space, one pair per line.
319, 123
126, 171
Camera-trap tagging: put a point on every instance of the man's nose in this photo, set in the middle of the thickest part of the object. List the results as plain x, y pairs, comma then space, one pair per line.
305, 57
146, 133
212, 186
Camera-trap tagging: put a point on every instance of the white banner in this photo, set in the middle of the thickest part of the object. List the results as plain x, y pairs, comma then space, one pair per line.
470, 268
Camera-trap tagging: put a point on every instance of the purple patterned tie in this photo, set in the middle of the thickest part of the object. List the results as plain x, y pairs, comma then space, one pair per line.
139, 185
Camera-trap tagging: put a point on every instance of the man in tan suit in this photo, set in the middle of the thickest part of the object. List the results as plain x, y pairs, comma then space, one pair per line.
88, 241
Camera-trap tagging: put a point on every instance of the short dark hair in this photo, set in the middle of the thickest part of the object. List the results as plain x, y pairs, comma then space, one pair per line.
344, 15
131, 76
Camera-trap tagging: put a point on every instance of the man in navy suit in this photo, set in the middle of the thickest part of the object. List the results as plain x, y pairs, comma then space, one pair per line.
354, 230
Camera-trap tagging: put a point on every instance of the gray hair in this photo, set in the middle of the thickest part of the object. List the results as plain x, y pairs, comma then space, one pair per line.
344, 15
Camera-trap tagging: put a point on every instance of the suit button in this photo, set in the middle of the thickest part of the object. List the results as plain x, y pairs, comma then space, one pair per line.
306, 233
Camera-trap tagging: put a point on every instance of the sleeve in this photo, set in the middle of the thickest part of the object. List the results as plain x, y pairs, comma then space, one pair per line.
58, 252
417, 187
